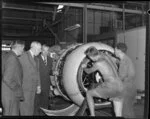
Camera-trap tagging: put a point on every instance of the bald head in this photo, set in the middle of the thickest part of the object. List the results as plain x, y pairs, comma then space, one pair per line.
35, 44
122, 47
35, 47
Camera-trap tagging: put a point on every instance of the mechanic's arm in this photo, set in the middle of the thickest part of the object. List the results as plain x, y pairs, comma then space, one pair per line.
123, 70
90, 70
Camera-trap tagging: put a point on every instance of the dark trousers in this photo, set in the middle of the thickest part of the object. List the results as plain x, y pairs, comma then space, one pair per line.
41, 100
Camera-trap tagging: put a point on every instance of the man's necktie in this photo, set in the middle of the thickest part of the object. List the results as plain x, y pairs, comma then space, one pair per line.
45, 61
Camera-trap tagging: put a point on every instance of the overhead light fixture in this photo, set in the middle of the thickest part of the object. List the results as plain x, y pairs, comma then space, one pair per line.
59, 10
60, 7
72, 27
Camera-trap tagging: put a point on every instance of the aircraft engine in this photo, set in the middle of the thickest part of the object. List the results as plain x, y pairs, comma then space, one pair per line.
72, 82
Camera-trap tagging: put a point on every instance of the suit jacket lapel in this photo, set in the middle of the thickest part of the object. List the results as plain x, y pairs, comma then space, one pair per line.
13, 53
43, 61
31, 59
48, 61
15, 56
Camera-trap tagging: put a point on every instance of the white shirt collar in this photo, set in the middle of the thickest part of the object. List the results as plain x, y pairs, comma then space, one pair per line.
31, 53
43, 57
14, 51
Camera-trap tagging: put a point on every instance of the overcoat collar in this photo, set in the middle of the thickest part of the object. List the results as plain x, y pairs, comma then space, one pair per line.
13, 53
31, 59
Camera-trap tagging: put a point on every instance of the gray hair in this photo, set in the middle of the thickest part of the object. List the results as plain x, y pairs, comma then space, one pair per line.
35, 44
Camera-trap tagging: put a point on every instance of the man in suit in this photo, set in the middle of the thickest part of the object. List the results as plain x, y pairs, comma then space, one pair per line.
126, 74
31, 78
12, 75
45, 65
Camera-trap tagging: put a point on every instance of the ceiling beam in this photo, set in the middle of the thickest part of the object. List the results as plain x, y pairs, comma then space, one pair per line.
15, 18
136, 2
16, 34
65, 4
4, 6
16, 25
80, 5
26, 38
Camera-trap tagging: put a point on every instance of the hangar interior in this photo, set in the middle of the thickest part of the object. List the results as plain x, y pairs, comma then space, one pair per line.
65, 23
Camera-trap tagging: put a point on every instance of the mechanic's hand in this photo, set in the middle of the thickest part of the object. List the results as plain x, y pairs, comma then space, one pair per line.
55, 73
83, 65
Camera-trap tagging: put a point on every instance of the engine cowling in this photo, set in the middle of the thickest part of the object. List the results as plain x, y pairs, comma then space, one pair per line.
69, 82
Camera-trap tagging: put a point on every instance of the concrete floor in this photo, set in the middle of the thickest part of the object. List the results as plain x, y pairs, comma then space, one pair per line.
59, 103
139, 108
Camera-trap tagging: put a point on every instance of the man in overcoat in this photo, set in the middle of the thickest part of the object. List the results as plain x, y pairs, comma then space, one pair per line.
45, 66
31, 78
11, 84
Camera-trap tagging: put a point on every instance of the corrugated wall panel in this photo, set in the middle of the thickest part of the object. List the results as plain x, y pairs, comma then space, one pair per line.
97, 16
90, 16
97, 29
90, 28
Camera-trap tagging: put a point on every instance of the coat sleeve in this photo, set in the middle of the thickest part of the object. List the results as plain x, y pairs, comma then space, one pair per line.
9, 74
38, 79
